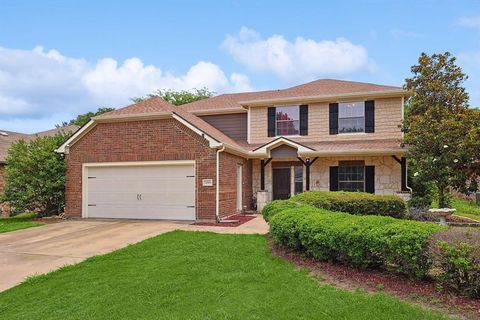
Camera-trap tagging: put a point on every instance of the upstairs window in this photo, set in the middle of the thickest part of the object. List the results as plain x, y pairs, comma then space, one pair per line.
351, 117
287, 121
351, 176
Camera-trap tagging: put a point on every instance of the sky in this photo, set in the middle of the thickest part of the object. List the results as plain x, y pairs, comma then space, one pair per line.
63, 58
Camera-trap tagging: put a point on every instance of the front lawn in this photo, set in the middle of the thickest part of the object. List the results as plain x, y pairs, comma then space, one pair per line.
194, 275
17, 223
466, 208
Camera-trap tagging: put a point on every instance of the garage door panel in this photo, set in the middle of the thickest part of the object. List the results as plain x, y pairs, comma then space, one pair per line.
141, 192
125, 212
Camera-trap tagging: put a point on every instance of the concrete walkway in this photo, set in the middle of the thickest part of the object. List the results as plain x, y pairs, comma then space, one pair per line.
40, 250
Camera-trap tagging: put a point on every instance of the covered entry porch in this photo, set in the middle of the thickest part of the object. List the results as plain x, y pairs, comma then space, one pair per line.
289, 169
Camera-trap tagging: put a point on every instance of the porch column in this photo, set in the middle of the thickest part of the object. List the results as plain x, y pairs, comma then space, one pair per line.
263, 164
403, 164
307, 163
403, 172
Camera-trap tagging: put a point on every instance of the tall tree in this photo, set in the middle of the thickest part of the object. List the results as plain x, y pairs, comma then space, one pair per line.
179, 97
440, 129
82, 119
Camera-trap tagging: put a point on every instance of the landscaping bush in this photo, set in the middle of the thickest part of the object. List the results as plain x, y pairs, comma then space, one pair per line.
360, 241
455, 256
358, 203
275, 207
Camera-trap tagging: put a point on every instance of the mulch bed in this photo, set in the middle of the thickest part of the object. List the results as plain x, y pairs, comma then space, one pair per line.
416, 291
453, 219
242, 218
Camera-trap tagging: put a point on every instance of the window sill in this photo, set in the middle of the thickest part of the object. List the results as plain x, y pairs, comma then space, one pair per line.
352, 133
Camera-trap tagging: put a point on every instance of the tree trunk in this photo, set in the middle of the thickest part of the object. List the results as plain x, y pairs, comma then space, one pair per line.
442, 197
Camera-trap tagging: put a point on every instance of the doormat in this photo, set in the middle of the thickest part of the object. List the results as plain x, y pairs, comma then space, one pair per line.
241, 218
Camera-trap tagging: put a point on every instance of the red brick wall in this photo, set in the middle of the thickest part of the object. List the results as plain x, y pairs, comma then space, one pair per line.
152, 140
228, 183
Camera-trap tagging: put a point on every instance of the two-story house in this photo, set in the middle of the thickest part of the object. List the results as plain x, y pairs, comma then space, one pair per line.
233, 152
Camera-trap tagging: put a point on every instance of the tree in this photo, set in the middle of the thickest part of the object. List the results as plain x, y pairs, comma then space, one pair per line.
441, 132
35, 176
179, 97
82, 119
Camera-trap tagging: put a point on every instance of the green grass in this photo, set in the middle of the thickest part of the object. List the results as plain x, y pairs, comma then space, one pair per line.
17, 223
465, 208
194, 275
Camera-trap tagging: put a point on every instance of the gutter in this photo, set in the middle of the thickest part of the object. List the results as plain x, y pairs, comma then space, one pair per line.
217, 185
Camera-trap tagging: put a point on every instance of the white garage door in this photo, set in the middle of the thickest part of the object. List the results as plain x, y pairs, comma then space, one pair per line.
141, 192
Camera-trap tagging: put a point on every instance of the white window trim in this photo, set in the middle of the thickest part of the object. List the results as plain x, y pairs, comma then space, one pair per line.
287, 135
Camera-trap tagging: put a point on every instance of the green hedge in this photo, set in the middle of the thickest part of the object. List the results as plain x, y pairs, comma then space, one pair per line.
360, 241
359, 203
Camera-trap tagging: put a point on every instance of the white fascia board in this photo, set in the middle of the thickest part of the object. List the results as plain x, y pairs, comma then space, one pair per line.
264, 151
65, 146
346, 152
212, 142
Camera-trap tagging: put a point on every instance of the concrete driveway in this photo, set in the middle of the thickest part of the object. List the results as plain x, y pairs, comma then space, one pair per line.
39, 250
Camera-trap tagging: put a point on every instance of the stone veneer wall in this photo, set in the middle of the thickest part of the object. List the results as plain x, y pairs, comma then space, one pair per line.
387, 173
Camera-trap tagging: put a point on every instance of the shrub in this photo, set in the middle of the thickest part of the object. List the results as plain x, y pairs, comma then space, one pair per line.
275, 207
360, 241
359, 203
455, 256
420, 214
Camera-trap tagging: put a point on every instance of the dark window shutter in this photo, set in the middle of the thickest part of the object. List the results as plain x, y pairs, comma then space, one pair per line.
333, 117
333, 178
271, 121
370, 179
304, 120
370, 116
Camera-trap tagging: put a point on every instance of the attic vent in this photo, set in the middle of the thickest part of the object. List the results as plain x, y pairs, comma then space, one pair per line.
3, 133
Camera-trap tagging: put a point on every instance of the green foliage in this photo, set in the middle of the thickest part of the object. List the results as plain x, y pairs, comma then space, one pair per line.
82, 119
178, 98
195, 275
359, 241
277, 206
440, 130
455, 253
18, 222
359, 203
35, 176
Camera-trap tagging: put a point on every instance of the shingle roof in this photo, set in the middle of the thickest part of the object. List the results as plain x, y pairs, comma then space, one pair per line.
323, 87
337, 146
7, 138
159, 106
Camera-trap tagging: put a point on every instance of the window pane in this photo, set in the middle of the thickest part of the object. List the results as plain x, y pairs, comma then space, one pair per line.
351, 110
288, 113
351, 176
288, 128
298, 179
348, 125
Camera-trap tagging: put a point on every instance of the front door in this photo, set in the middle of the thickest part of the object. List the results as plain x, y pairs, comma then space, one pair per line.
281, 183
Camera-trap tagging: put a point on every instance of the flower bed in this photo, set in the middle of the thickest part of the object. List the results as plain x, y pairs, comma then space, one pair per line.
374, 242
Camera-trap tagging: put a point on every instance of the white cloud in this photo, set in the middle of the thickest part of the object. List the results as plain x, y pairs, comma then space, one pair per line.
469, 21
301, 59
34, 84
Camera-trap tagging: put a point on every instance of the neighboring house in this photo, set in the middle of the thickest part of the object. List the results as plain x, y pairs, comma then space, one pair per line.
234, 152
7, 138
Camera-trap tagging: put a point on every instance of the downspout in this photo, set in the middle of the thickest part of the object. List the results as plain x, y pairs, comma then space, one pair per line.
217, 185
